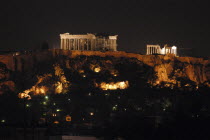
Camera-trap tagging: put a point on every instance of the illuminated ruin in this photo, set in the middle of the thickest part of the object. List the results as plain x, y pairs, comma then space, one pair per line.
156, 49
113, 86
88, 42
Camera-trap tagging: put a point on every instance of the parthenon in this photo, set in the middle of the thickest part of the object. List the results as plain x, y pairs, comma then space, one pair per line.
88, 42
156, 49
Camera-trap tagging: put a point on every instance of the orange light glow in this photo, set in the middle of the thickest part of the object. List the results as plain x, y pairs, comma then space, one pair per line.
97, 69
114, 86
68, 118
24, 96
56, 122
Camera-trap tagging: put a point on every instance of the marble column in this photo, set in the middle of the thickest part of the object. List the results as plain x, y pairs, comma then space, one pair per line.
76, 44
73, 44
79, 44
149, 50
64, 44
61, 44
69, 44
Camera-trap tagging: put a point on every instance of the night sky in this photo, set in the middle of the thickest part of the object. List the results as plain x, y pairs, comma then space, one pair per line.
27, 24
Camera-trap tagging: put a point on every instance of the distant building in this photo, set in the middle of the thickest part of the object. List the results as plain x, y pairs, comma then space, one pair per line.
156, 49
88, 42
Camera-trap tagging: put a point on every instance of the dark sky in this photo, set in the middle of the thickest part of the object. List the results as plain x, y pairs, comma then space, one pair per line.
27, 24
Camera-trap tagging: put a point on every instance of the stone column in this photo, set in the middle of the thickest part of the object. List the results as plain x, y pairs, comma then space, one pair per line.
70, 45
61, 47
79, 44
73, 44
149, 50
64, 44
146, 51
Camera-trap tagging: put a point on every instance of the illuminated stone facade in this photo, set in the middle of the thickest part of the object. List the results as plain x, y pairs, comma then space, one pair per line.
156, 49
88, 42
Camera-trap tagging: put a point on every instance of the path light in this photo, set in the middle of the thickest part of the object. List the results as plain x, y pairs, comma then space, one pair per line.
3, 121
58, 110
27, 105
46, 97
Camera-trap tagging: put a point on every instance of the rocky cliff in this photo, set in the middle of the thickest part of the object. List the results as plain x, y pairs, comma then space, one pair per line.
166, 69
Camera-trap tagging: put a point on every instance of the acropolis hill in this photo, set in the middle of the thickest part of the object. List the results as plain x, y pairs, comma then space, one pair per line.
159, 68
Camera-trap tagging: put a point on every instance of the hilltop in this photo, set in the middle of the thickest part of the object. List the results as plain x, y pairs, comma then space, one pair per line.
22, 71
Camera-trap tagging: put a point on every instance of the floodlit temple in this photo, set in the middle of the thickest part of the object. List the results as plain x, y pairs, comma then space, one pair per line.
88, 42
156, 49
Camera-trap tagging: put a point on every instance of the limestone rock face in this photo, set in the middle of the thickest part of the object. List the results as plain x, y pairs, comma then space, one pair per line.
166, 68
